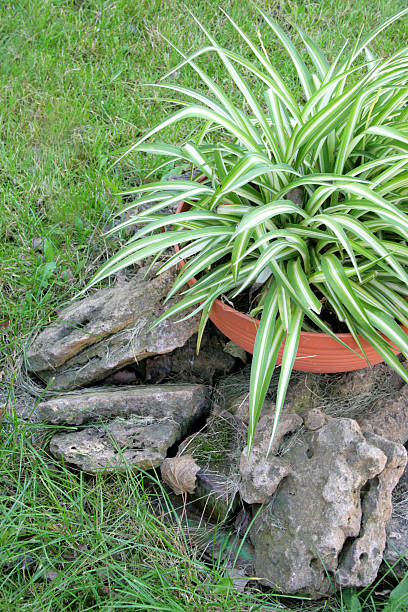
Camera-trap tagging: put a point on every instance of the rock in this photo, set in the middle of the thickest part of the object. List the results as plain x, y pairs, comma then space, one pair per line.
388, 417
288, 423
127, 376
239, 407
301, 392
138, 442
183, 403
261, 472
361, 558
300, 534
365, 381
144, 423
261, 476
216, 449
315, 419
216, 494
397, 528
236, 351
184, 364
299, 398
101, 334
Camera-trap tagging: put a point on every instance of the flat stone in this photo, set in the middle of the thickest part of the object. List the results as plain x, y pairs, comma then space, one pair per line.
300, 534
183, 403
103, 333
138, 442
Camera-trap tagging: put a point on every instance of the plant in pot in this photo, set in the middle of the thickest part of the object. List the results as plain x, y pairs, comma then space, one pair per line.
301, 205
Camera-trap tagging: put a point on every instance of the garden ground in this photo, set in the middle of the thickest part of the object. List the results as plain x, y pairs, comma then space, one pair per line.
72, 95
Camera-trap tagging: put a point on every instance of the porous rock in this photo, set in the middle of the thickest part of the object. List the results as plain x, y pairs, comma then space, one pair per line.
315, 419
388, 417
365, 380
101, 334
396, 550
361, 558
183, 403
133, 426
261, 472
300, 534
137, 442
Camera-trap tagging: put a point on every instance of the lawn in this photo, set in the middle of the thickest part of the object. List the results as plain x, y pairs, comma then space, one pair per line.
73, 95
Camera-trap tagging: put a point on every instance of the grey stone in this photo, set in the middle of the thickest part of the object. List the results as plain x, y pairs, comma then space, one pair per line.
364, 381
315, 419
361, 558
236, 351
288, 423
138, 442
240, 408
261, 476
101, 334
388, 417
183, 403
261, 472
300, 534
397, 528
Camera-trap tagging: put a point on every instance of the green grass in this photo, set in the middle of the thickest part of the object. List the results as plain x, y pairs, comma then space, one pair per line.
71, 94
72, 542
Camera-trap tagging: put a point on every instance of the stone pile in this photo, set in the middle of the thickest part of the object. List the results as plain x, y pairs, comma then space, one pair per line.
321, 497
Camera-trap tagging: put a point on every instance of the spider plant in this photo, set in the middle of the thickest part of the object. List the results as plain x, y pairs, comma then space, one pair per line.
307, 199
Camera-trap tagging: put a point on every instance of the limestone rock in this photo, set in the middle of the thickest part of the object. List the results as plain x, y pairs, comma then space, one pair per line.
361, 558
183, 403
261, 472
134, 426
288, 423
397, 528
365, 380
300, 534
261, 476
388, 417
136, 442
101, 334
236, 351
315, 419
301, 391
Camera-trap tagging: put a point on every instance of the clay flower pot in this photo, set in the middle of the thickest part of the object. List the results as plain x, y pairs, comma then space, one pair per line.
317, 352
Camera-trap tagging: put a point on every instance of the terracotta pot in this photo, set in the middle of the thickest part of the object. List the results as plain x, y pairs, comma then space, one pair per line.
317, 352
